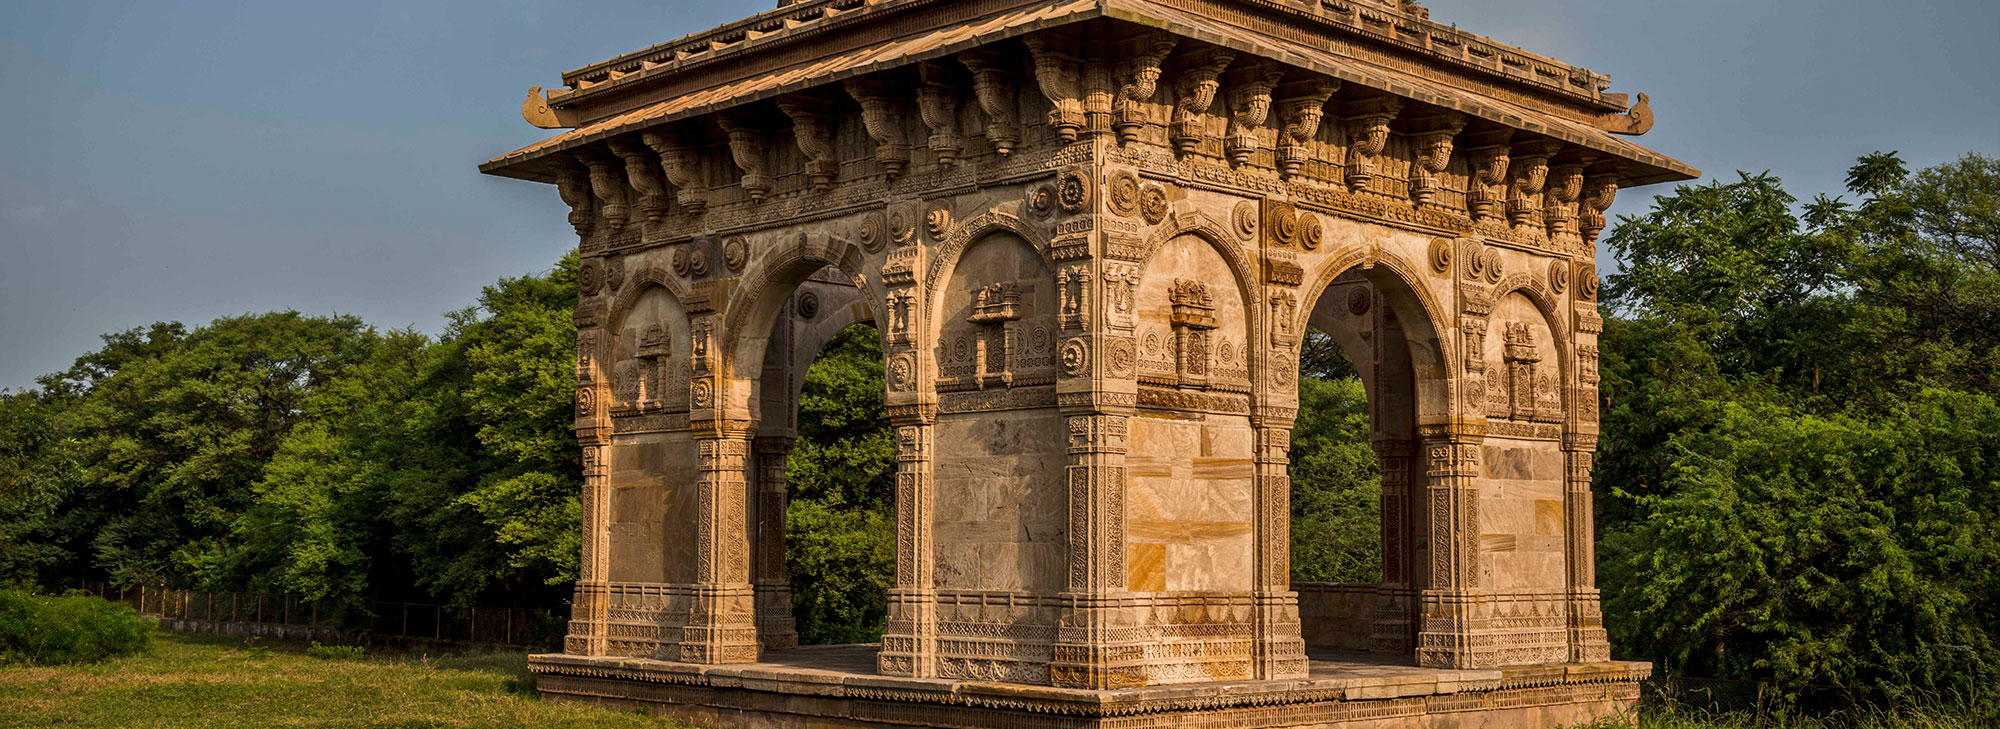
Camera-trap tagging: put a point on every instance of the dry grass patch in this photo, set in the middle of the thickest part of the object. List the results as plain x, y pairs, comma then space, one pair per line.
198, 682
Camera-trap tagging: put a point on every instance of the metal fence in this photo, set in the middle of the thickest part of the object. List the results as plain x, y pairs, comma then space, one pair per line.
499, 626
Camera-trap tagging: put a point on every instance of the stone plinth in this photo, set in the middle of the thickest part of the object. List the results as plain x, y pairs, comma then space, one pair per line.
835, 686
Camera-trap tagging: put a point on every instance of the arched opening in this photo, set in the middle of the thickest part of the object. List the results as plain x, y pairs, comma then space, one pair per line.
823, 527
1367, 346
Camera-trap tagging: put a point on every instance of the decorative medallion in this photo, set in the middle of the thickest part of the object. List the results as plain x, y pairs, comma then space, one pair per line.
1441, 256
586, 402
902, 226
1586, 281
1283, 368
1310, 234
960, 348
937, 219
1489, 259
735, 253
683, 260
589, 276
902, 372
874, 231
1073, 192
1122, 193
1359, 300
1039, 341
614, 273
808, 305
1559, 273
1153, 204
704, 393
1245, 217
1285, 226
1074, 359
1226, 353
1121, 358
1042, 201
1152, 343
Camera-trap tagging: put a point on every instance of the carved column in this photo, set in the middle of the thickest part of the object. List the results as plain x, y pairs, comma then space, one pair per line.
1449, 614
1280, 649
589, 610
776, 628
1391, 626
1587, 640
909, 644
721, 626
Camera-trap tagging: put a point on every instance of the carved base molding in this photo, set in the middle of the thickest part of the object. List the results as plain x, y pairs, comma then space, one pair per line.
816, 687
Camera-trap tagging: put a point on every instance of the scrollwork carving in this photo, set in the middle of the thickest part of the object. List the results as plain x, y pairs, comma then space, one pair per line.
1433, 155
994, 86
643, 174
1194, 92
1367, 135
881, 116
1138, 79
1301, 108
1061, 82
609, 188
1249, 106
746, 147
814, 133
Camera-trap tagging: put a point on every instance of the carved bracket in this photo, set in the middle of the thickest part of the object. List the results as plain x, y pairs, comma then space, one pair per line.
1138, 80
937, 103
881, 115
746, 146
573, 184
1489, 159
814, 133
1433, 138
608, 187
1194, 91
1367, 134
1249, 106
1061, 82
1301, 108
1531, 174
994, 86
643, 174
683, 167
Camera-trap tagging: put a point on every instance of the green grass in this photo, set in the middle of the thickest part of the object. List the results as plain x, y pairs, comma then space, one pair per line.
195, 682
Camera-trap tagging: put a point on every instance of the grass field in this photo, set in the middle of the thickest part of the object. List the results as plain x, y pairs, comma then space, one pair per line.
201, 682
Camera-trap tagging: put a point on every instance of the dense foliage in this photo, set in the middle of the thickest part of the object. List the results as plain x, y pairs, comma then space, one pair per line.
45, 630
1336, 479
1800, 432
841, 540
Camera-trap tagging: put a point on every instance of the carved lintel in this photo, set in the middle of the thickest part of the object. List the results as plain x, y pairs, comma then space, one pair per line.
937, 103
1138, 80
1434, 139
1249, 106
608, 186
1600, 189
993, 85
1636, 121
1367, 134
813, 130
1565, 187
881, 115
573, 184
683, 167
746, 146
1488, 159
643, 174
1061, 82
1530, 173
1194, 91
1301, 108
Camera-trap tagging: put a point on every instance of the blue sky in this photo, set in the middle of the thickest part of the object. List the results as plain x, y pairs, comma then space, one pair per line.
183, 161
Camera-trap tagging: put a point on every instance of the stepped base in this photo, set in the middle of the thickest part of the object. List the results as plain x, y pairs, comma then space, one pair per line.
836, 686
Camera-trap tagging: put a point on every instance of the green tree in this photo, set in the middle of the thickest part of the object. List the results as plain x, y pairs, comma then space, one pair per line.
840, 525
1336, 484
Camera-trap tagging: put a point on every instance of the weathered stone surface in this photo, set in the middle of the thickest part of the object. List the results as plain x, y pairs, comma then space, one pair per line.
1091, 234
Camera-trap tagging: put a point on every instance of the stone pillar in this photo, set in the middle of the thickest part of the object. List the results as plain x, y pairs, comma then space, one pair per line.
1587, 640
1280, 648
776, 628
909, 644
1450, 604
1098, 644
590, 606
721, 625
1390, 629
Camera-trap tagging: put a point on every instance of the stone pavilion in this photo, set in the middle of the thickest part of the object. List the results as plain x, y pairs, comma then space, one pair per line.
1091, 235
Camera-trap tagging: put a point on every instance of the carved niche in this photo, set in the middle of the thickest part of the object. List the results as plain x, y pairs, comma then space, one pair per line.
999, 327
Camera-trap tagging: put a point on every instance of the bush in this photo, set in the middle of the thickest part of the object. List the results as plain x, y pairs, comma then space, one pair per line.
40, 629
335, 652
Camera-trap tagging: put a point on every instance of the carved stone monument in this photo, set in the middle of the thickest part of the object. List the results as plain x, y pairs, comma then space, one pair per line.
1092, 234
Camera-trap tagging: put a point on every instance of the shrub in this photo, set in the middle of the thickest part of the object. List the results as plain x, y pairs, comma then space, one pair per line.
335, 652
41, 629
